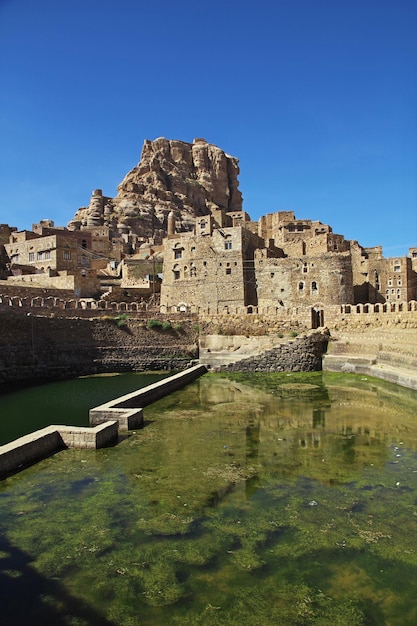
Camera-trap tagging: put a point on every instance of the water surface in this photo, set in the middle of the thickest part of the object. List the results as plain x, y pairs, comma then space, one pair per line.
246, 499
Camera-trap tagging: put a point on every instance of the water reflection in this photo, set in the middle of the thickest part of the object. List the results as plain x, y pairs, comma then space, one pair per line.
262, 499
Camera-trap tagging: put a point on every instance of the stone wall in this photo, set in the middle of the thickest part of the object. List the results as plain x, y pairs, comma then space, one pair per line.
35, 348
303, 354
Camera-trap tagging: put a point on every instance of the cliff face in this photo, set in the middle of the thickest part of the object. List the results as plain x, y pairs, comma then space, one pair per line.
189, 179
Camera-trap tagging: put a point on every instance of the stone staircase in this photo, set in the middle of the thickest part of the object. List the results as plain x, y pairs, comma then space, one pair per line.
389, 353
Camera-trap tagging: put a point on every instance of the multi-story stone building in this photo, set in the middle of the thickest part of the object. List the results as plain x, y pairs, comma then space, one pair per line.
276, 263
211, 268
227, 263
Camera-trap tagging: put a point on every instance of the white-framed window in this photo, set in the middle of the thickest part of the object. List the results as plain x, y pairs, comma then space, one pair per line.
227, 245
66, 255
31, 257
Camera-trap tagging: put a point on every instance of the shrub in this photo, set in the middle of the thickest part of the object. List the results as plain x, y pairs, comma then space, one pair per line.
280, 335
154, 324
177, 327
166, 325
293, 333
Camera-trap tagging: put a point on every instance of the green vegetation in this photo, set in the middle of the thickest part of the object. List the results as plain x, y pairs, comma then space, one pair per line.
155, 324
247, 500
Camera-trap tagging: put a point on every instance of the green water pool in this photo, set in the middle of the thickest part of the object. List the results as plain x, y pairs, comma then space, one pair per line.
246, 499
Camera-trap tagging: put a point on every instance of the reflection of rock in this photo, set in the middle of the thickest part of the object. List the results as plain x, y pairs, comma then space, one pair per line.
189, 179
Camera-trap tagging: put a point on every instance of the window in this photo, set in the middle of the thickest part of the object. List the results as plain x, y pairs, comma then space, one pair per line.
47, 254
299, 227
314, 286
291, 229
31, 257
39, 256
305, 268
176, 271
177, 254
300, 286
227, 245
84, 244
390, 282
192, 248
397, 268
399, 283
66, 255
228, 270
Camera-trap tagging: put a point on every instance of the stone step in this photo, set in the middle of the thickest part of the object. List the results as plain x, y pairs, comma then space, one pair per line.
394, 359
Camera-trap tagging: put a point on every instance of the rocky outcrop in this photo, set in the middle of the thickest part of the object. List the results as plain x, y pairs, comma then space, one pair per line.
189, 179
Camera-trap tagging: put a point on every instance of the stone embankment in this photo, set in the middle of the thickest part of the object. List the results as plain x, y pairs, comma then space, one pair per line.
36, 348
300, 354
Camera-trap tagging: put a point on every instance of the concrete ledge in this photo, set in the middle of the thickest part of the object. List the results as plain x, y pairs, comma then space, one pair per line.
42, 443
128, 410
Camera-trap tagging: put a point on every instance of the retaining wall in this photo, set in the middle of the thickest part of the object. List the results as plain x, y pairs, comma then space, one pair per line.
38, 348
302, 354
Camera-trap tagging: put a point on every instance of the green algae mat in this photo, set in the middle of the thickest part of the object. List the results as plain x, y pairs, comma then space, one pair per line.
245, 500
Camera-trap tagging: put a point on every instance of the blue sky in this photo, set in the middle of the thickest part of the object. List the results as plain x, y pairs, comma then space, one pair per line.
316, 98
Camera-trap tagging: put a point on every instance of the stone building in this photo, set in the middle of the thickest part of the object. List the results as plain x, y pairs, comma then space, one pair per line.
212, 267
182, 204
54, 257
231, 263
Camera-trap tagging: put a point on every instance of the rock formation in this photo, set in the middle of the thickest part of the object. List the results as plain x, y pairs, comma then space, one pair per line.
188, 179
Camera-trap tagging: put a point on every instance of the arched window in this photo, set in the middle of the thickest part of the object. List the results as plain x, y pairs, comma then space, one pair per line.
300, 286
314, 287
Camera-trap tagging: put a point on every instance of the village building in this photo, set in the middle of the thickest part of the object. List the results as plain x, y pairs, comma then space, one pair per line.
233, 264
228, 263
